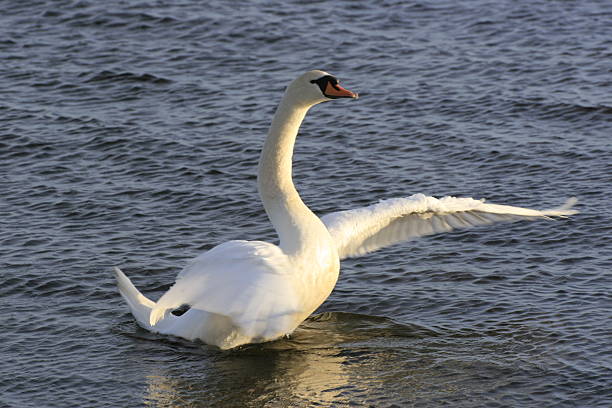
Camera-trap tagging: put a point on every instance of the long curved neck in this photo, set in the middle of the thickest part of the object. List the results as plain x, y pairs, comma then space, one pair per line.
293, 221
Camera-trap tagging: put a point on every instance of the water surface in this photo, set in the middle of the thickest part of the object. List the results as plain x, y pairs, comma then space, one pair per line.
129, 136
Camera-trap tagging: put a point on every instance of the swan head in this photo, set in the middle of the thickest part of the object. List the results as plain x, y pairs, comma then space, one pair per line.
317, 86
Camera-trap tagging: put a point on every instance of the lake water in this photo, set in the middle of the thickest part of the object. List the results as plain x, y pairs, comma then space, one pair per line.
130, 133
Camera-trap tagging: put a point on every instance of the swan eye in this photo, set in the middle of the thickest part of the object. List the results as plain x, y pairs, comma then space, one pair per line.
324, 80
330, 89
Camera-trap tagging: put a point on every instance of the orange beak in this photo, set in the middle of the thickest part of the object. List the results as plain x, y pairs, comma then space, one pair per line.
336, 91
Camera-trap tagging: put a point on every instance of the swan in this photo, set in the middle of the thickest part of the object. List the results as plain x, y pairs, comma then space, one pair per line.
242, 292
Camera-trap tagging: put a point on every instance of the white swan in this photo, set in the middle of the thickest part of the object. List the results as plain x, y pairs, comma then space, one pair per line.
251, 291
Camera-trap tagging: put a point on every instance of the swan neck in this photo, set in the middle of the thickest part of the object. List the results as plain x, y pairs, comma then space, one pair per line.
291, 218
275, 163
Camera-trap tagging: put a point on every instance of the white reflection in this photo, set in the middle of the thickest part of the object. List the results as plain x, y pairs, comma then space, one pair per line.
307, 368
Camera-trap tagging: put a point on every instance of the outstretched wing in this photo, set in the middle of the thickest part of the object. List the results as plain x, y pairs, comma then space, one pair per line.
357, 232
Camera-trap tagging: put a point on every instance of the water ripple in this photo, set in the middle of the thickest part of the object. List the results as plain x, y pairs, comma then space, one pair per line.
130, 135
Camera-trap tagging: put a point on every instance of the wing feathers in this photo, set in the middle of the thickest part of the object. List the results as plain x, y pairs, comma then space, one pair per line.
251, 290
357, 232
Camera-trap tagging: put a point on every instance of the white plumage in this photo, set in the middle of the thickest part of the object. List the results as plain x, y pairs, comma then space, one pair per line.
357, 232
251, 291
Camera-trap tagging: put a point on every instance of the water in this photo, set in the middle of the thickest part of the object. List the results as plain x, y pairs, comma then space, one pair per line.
130, 133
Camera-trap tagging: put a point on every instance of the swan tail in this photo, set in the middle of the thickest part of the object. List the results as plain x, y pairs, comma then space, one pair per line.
140, 305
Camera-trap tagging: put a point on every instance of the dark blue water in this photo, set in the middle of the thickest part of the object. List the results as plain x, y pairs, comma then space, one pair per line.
129, 136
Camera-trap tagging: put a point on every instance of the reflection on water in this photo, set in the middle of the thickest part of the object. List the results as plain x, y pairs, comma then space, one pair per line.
306, 369
255, 378
313, 367
337, 359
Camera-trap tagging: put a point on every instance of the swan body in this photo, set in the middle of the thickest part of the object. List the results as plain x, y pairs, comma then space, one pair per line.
243, 292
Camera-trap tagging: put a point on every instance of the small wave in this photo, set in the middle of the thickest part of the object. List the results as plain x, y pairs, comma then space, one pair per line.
110, 76
562, 110
90, 17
